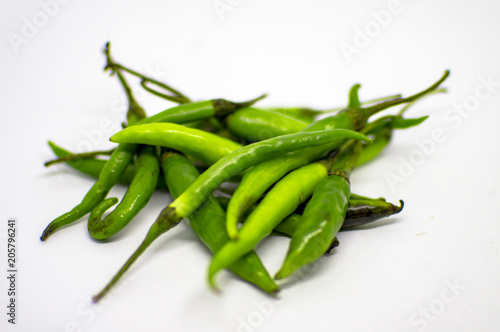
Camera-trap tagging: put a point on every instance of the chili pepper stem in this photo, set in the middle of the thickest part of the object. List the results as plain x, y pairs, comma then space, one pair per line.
165, 221
369, 111
176, 96
225, 107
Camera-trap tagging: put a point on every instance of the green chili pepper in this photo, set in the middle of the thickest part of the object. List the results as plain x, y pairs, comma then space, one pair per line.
203, 145
256, 125
137, 196
323, 215
361, 212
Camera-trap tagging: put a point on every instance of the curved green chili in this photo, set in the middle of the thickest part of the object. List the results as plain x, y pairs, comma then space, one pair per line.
323, 215
203, 145
137, 196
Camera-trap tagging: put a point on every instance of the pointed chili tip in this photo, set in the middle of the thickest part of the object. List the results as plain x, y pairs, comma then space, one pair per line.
287, 269
401, 205
251, 101
96, 298
280, 275
46, 233
212, 284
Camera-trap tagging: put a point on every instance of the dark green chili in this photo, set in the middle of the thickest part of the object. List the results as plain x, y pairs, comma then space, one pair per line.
361, 212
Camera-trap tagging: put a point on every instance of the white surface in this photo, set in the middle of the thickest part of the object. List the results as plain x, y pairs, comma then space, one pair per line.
53, 88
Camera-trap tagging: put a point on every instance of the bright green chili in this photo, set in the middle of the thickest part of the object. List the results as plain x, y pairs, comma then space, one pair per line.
255, 125
203, 145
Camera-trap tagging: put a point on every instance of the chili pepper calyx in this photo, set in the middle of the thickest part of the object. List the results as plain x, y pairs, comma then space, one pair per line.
225, 107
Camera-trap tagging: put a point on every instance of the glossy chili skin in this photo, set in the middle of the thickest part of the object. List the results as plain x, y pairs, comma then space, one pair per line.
279, 202
208, 222
255, 125
137, 196
323, 215
203, 145
327, 208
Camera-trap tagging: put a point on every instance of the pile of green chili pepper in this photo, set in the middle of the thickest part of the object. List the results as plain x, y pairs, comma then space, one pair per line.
291, 167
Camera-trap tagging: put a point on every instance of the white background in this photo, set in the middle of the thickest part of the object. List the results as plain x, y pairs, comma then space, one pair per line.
381, 278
